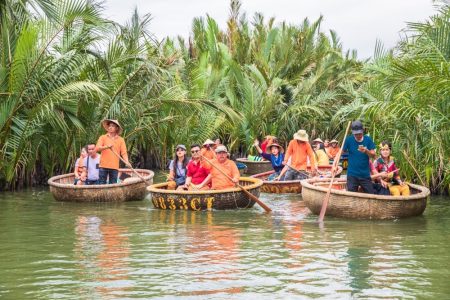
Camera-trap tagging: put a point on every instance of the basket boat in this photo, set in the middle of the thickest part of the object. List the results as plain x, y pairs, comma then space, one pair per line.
289, 186
133, 188
357, 205
233, 198
255, 167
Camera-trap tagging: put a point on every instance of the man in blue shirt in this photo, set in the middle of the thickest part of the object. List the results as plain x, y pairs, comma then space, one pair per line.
359, 148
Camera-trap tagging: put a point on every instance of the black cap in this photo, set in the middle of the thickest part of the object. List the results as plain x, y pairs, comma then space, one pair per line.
357, 127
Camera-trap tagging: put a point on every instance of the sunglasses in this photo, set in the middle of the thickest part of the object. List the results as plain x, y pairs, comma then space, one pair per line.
194, 151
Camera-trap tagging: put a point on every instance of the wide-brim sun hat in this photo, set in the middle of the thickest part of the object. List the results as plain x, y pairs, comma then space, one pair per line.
180, 146
318, 140
301, 135
107, 121
221, 148
269, 148
208, 142
357, 127
334, 141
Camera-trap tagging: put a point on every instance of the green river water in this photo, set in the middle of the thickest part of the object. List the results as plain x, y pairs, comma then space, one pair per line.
53, 250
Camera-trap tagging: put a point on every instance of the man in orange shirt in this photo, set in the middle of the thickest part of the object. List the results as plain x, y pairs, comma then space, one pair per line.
333, 150
298, 151
109, 162
218, 180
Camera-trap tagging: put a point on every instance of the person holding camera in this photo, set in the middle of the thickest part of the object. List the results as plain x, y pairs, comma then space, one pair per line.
360, 149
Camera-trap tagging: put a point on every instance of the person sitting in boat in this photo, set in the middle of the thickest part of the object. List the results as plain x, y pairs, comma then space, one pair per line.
220, 181
91, 165
333, 150
360, 148
79, 176
276, 157
196, 173
208, 152
217, 142
298, 151
268, 140
320, 154
386, 172
111, 145
178, 169
326, 144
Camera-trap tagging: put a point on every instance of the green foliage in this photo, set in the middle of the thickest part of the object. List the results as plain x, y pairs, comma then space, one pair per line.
63, 68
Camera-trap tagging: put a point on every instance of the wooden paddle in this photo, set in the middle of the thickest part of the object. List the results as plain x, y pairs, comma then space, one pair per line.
333, 173
250, 195
128, 165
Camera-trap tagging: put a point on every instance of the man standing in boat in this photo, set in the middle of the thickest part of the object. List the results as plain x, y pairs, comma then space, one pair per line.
360, 148
107, 143
298, 151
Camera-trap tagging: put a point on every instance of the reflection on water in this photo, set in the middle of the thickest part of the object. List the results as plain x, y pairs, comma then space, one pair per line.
102, 249
53, 250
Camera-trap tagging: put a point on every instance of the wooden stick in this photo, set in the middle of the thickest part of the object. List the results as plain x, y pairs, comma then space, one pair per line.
129, 165
410, 163
333, 173
250, 195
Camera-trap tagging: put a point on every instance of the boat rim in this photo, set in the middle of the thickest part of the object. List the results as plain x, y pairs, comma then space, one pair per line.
284, 181
255, 183
245, 160
309, 184
51, 181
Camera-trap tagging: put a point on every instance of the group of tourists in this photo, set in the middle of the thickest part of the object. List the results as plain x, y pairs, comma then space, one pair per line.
377, 176
94, 168
209, 166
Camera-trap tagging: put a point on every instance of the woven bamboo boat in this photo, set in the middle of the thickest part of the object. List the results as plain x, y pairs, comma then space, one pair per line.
205, 200
255, 167
133, 188
360, 205
288, 186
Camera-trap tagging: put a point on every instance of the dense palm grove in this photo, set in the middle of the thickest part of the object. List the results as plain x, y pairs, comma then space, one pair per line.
63, 68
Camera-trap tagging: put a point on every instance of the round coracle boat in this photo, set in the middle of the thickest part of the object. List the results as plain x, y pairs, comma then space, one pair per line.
255, 167
361, 205
132, 188
289, 186
233, 198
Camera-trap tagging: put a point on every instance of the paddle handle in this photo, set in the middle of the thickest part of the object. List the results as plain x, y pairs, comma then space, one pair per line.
333, 173
250, 195
129, 165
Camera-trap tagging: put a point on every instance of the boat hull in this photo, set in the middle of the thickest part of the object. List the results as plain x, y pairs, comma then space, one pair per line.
286, 187
133, 188
233, 198
255, 167
353, 205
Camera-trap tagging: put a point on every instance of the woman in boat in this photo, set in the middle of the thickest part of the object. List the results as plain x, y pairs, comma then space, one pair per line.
177, 169
276, 157
79, 180
385, 171
320, 153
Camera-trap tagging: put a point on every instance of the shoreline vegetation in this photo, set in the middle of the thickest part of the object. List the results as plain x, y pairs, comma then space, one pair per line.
64, 68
